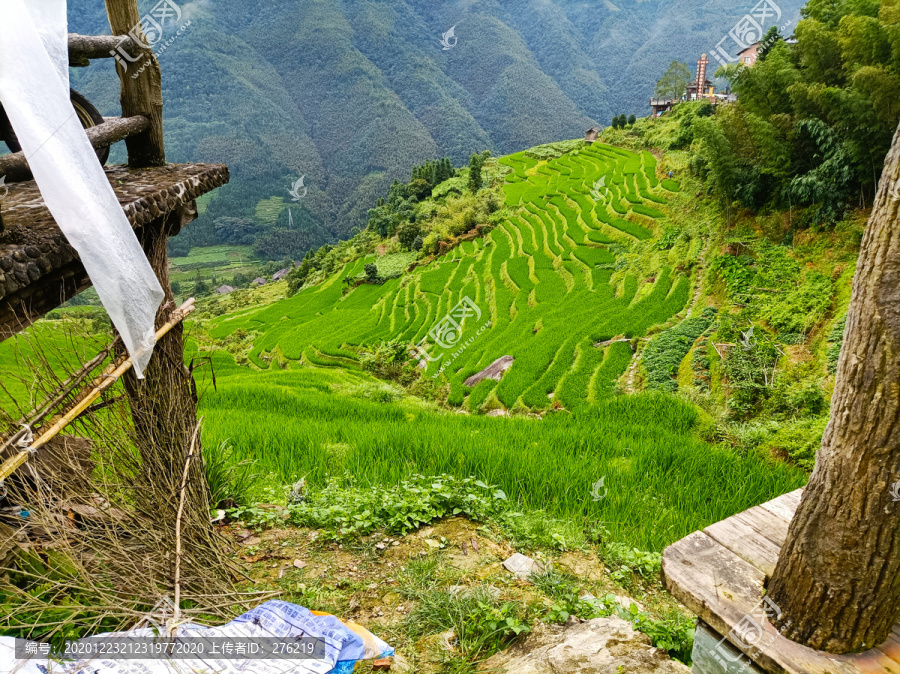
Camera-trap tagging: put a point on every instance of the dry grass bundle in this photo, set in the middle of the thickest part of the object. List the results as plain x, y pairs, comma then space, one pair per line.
102, 523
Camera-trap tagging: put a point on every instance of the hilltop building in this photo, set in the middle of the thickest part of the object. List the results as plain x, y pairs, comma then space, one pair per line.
280, 274
592, 134
701, 86
750, 55
224, 290
259, 281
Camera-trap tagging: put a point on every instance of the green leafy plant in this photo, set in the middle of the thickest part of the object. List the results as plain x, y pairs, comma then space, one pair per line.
344, 509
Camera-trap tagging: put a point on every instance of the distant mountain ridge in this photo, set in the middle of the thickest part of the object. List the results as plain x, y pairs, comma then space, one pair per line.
353, 93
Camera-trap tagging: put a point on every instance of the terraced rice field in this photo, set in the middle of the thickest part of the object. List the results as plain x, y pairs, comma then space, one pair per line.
538, 289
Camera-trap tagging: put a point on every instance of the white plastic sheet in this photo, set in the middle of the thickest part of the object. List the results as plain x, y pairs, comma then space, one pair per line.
34, 90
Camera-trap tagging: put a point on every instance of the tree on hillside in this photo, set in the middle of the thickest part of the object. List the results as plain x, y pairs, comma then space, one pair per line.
771, 37
673, 83
631, 120
836, 578
371, 271
407, 233
475, 179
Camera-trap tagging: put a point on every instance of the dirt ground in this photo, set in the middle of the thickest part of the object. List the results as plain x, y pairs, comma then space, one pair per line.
364, 581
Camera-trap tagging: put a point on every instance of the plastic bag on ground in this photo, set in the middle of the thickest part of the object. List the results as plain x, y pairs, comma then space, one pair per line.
343, 645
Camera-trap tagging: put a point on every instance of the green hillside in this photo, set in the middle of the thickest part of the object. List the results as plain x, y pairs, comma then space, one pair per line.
353, 94
545, 282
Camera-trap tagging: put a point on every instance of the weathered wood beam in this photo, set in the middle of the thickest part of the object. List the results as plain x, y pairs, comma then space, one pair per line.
83, 48
15, 166
141, 90
39, 270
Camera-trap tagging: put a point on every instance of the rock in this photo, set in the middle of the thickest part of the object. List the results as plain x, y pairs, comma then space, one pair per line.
448, 640
626, 602
498, 413
380, 546
522, 566
599, 646
465, 589
299, 564
431, 543
401, 665
381, 665
493, 371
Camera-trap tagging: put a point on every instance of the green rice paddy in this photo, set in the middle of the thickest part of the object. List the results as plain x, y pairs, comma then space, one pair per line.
540, 282
539, 289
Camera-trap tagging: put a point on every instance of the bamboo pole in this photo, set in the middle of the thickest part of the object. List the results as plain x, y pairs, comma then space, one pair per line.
102, 383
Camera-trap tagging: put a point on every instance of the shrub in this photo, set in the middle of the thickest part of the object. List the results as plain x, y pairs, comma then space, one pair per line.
666, 351
350, 510
407, 233
371, 271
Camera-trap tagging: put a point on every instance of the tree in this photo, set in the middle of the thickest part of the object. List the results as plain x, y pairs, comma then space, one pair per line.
632, 120
419, 189
771, 37
836, 578
674, 81
475, 179
407, 234
417, 244
371, 271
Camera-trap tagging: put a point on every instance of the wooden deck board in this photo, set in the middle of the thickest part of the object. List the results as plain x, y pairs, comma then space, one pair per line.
719, 574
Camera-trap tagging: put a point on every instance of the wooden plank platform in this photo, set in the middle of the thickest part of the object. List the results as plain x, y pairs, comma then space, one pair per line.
719, 574
39, 270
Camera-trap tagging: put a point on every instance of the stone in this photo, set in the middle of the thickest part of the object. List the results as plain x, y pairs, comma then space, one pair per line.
381, 665
598, 646
626, 602
493, 371
463, 590
522, 566
299, 564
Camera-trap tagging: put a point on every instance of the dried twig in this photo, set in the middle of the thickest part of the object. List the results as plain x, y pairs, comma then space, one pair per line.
184, 477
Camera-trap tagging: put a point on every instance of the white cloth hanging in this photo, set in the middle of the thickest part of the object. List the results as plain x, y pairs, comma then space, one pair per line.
34, 91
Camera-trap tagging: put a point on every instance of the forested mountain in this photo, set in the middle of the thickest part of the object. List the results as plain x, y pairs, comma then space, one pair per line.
352, 94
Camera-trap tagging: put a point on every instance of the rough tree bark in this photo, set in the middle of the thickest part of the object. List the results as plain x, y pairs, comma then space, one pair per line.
164, 406
837, 581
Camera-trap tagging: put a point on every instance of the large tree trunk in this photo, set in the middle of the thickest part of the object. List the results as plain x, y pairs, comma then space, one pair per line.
837, 581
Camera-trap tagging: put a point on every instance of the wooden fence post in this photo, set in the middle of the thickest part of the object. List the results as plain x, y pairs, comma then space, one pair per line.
141, 86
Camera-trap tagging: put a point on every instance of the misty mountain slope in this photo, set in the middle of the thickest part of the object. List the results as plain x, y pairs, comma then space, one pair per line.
351, 94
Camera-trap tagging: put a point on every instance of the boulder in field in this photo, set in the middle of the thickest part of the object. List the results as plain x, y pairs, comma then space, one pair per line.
493, 371
598, 646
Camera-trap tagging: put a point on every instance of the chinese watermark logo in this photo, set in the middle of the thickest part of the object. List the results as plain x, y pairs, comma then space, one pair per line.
295, 193
448, 333
447, 37
895, 491
151, 28
748, 341
599, 185
747, 32
749, 635
596, 487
